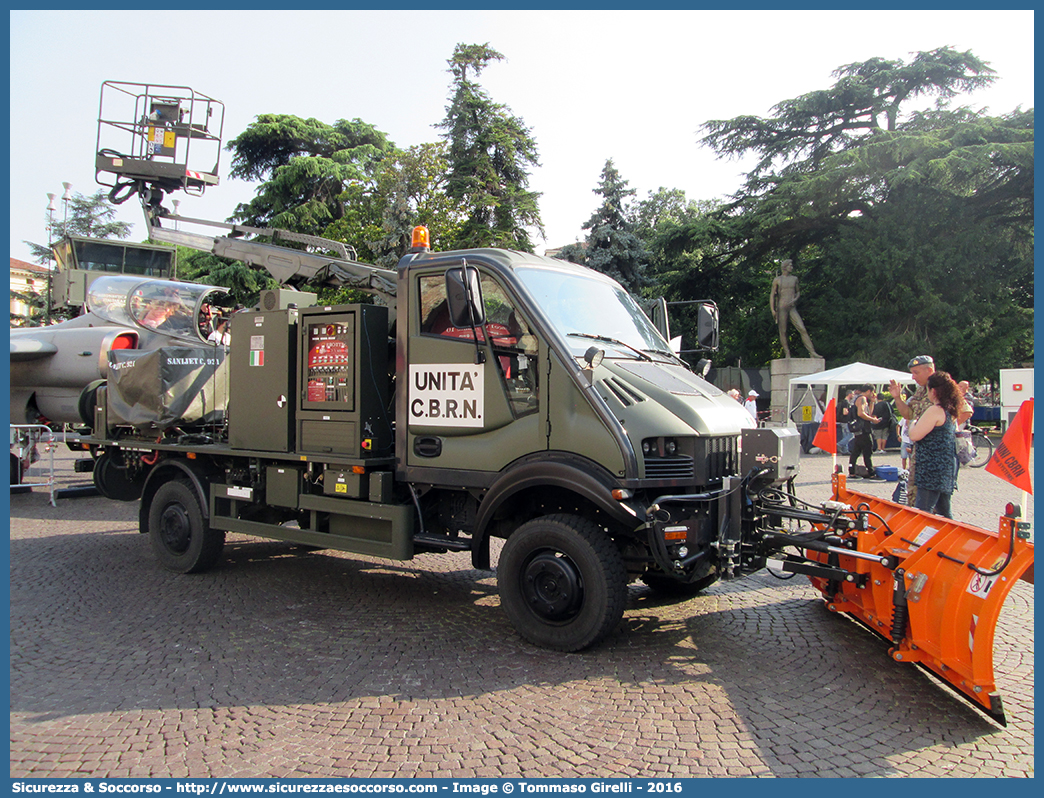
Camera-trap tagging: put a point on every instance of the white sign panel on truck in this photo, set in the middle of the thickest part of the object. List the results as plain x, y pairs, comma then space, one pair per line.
446, 395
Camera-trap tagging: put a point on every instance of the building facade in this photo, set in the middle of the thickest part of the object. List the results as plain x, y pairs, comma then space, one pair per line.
27, 280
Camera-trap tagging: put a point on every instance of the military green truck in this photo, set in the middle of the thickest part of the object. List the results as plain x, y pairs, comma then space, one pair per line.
487, 394
509, 396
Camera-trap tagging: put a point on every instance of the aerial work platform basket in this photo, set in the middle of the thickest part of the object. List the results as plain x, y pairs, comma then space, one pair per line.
158, 138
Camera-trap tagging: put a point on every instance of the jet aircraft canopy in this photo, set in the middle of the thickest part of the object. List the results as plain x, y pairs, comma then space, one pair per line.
181, 310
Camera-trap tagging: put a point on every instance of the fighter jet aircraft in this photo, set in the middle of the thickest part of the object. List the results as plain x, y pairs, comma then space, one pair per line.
55, 369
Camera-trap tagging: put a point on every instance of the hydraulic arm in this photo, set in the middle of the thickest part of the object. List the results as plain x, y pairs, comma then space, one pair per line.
289, 266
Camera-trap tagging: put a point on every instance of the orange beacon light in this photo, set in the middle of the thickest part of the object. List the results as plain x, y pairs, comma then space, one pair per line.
421, 240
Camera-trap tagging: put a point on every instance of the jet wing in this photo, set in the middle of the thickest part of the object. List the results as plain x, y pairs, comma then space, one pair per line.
23, 349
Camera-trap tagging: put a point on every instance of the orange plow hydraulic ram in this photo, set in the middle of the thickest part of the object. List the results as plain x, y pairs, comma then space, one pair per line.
931, 586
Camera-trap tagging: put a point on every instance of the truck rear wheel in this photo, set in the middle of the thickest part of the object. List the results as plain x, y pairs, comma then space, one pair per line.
181, 539
562, 582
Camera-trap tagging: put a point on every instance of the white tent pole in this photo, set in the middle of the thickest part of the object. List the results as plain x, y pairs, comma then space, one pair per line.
832, 394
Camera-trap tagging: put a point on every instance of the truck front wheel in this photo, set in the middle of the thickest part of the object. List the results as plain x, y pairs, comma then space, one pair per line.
562, 582
181, 539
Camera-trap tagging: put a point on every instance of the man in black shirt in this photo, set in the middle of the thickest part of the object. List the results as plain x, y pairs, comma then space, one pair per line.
881, 430
844, 410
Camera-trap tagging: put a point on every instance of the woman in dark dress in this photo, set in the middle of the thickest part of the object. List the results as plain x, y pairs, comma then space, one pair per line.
933, 435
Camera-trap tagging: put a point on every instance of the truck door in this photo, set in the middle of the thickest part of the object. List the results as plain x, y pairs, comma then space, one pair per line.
472, 393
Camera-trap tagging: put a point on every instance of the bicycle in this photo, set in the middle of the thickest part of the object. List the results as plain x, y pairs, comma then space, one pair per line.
983, 447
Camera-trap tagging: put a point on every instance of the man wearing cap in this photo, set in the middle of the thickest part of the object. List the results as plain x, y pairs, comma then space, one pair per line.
921, 368
751, 404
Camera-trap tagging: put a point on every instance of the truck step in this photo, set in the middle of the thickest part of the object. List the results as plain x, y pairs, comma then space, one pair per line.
443, 541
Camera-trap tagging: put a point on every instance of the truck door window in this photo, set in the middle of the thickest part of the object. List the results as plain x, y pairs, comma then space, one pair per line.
514, 345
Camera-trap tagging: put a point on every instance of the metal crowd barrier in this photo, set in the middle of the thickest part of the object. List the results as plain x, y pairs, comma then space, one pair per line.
32, 458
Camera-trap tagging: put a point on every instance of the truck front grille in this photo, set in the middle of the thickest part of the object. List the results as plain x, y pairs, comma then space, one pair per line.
680, 467
711, 460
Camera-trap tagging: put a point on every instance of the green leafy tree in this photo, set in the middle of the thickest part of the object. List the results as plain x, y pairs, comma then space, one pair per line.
683, 267
490, 153
306, 166
662, 207
407, 190
87, 215
307, 169
924, 273
830, 155
243, 282
36, 307
612, 247
867, 97
906, 227
660, 221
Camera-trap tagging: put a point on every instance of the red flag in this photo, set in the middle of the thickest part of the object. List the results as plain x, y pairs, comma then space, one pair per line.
826, 435
1011, 460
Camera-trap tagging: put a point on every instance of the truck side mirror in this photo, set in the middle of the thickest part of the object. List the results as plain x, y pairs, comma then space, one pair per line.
707, 325
659, 318
464, 296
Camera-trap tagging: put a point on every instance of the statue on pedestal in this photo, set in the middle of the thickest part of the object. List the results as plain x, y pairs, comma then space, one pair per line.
783, 303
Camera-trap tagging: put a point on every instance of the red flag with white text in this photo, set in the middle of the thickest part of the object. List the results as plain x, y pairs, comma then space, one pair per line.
1011, 460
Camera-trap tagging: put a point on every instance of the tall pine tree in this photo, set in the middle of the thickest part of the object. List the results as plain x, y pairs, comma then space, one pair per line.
612, 247
490, 152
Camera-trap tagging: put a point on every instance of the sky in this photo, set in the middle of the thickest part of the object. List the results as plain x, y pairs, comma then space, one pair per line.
634, 86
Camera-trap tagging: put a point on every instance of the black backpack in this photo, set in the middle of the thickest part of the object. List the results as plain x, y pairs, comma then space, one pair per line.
842, 410
885, 417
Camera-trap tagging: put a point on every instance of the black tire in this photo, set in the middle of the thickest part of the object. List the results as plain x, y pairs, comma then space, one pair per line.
181, 539
671, 588
983, 449
562, 582
16, 470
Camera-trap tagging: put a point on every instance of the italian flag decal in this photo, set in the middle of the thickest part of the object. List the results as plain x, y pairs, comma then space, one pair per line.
257, 357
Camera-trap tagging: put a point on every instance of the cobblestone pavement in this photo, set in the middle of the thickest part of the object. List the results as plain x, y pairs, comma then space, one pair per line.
287, 663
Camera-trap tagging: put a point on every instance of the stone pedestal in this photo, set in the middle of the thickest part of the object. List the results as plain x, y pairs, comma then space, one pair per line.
781, 371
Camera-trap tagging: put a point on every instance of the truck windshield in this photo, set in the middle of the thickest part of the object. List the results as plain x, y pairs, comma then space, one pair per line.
582, 306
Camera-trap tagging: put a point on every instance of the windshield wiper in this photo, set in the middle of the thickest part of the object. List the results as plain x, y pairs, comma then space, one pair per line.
607, 340
668, 354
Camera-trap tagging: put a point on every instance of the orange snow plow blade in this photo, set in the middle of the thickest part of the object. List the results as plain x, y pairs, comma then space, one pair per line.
936, 593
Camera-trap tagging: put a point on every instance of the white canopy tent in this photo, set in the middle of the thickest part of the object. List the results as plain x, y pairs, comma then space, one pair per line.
852, 374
